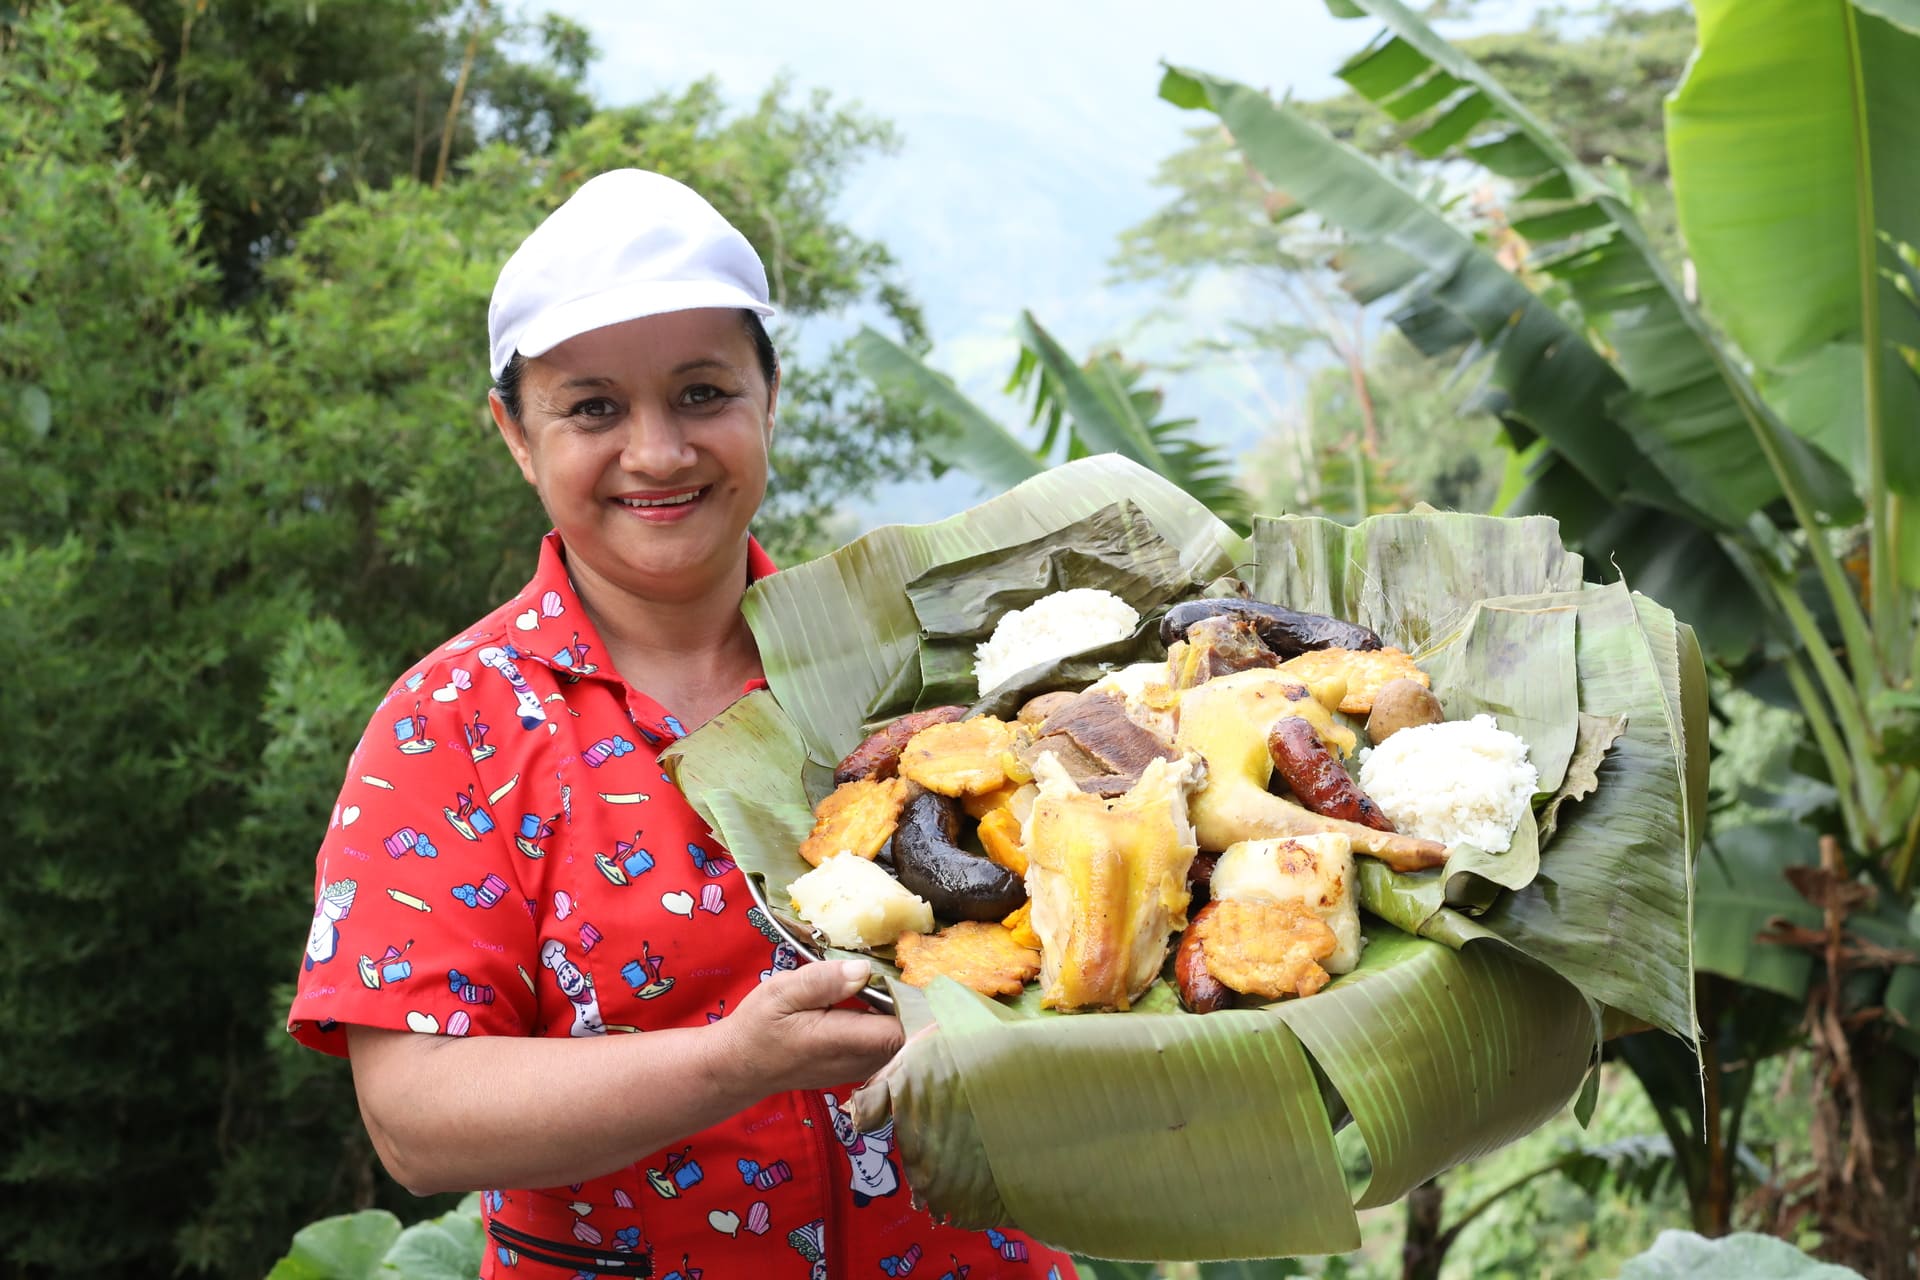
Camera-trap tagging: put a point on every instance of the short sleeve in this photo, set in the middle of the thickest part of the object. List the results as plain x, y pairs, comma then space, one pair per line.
419, 920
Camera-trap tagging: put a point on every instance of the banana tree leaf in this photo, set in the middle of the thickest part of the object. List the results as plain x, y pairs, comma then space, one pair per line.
1557, 382
959, 603
1453, 1101
1593, 740
960, 435
835, 631
1741, 885
1812, 114
1687, 398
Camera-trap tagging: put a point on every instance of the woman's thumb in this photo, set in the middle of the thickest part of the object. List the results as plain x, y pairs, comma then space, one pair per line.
826, 982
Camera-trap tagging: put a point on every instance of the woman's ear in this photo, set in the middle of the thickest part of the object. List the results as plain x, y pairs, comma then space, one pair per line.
513, 433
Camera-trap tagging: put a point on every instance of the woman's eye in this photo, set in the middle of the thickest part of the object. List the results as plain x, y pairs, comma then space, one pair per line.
597, 407
704, 393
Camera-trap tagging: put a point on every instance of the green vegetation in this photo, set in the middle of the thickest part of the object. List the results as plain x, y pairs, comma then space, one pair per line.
251, 477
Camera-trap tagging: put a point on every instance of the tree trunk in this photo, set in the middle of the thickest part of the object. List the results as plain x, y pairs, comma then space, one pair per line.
1869, 1197
1424, 1248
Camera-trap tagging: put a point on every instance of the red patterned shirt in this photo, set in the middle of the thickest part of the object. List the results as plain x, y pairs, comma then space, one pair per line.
507, 858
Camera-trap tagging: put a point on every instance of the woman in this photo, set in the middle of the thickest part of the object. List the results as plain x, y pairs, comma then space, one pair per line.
510, 882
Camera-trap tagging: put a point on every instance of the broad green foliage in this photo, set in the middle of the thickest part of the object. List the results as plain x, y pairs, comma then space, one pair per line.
244, 492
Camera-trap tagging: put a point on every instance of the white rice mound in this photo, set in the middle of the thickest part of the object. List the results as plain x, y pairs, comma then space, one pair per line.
1053, 626
1458, 782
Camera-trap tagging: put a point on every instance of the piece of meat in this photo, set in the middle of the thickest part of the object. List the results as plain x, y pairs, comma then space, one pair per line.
1217, 646
1099, 725
1200, 991
1315, 776
1035, 710
1078, 764
879, 755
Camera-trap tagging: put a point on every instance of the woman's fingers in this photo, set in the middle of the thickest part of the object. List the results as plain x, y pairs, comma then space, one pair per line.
817, 986
789, 1035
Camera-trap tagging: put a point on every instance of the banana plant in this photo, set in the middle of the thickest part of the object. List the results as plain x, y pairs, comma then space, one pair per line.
1752, 459
1094, 407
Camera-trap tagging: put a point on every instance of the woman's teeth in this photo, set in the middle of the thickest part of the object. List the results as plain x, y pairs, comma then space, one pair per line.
676, 501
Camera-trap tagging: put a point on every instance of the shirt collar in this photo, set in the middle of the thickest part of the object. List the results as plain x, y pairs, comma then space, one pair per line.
559, 633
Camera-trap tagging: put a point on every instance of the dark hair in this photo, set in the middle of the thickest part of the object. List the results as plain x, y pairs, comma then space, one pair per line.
507, 385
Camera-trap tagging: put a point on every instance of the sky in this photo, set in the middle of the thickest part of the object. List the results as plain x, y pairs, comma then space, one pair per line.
1030, 138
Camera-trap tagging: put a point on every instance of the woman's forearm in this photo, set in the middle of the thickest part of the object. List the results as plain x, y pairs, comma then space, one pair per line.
466, 1114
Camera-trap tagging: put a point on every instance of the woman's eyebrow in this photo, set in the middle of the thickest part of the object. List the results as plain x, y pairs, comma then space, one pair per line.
703, 362
585, 381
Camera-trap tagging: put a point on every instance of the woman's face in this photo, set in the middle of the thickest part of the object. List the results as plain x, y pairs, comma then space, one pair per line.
647, 442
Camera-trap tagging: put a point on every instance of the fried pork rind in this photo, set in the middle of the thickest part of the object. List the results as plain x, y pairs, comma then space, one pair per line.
964, 758
857, 818
975, 954
1268, 949
1366, 671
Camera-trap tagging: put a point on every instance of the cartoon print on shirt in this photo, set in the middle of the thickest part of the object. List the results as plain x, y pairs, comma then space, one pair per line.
535, 831
810, 1242
682, 1173
577, 986
608, 748
764, 1177
467, 990
873, 1174
524, 698
483, 895
675, 726
573, 660
902, 1263
336, 900
629, 861
476, 736
406, 840
389, 968
785, 959
410, 732
686, 1270
643, 975
466, 816
709, 864
1011, 1250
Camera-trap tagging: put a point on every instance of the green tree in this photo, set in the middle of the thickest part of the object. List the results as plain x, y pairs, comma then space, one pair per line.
240, 504
1375, 429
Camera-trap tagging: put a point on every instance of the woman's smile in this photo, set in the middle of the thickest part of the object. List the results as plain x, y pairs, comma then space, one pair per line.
663, 506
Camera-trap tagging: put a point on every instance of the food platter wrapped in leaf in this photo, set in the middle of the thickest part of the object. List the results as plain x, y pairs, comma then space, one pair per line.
1106, 869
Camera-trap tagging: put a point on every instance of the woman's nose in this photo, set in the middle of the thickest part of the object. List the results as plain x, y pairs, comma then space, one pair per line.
656, 445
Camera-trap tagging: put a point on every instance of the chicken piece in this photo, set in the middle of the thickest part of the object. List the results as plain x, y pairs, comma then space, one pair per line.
1108, 881
857, 818
962, 758
982, 956
1098, 723
1269, 949
1313, 871
1227, 721
1366, 671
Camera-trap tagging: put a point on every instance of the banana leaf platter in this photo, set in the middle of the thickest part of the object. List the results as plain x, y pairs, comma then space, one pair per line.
1477, 1009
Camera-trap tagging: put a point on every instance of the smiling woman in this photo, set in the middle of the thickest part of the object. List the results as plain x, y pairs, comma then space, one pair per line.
636, 391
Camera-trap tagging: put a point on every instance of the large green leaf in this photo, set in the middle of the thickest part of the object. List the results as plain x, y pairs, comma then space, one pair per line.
1067, 1124
1686, 460
1682, 1255
1792, 140
347, 1247
958, 434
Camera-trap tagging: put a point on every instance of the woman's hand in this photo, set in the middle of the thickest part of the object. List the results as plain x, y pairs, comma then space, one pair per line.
787, 1035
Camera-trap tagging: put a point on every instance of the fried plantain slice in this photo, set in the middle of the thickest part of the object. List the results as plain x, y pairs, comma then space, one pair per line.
1269, 949
964, 758
974, 953
1366, 671
857, 817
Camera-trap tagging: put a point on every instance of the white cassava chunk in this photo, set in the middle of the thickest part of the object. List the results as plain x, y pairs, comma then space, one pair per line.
857, 904
1315, 871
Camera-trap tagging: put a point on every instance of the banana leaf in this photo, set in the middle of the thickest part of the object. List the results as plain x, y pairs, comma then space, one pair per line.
1155, 1133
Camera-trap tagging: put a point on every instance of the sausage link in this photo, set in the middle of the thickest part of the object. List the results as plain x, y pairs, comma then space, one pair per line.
879, 756
1316, 778
1200, 991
